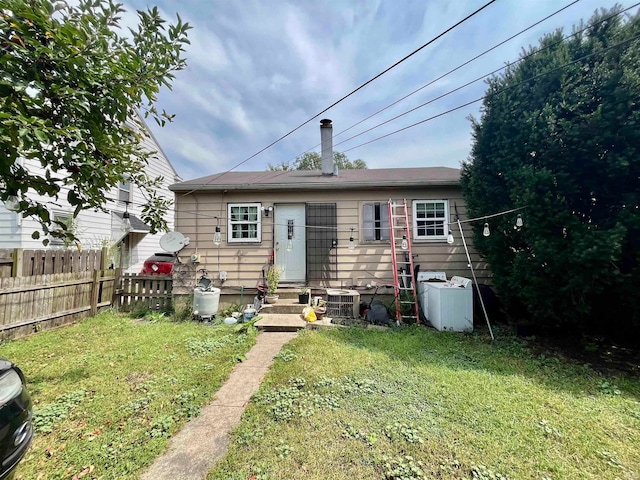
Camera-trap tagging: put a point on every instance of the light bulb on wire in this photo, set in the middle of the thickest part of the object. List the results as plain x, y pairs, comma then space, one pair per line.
126, 222
485, 231
289, 245
519, 221
352, 242
404, 245
217, 236
450, 238
12, 203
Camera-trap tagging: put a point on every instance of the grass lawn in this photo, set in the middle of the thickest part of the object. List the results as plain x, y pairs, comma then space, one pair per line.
110, 390
419, 404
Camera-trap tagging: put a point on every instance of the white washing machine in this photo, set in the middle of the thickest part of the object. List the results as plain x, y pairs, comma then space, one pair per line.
447, 305
421, 281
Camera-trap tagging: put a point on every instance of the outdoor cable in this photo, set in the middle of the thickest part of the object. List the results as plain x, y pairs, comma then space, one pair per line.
441, 114
450, 72
536, 52
460, 22
496, 92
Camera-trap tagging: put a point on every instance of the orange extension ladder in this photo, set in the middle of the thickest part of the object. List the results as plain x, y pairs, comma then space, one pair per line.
402, 259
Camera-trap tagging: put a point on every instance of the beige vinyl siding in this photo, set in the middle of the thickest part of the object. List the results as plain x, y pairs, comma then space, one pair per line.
369, 263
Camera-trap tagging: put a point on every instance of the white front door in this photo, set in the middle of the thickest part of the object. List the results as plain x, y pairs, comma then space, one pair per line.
290, 242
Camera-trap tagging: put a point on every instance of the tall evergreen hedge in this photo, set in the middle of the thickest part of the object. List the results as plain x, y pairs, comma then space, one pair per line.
566, 147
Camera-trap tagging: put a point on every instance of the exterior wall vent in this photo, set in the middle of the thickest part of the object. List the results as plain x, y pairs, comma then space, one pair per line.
343, 303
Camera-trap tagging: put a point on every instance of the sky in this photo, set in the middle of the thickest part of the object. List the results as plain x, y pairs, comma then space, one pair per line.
259, 68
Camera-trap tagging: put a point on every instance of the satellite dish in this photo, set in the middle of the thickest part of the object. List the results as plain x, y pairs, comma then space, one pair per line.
173, 242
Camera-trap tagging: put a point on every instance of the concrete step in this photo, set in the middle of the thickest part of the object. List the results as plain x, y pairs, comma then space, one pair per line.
278, 322
289, 293
283, 306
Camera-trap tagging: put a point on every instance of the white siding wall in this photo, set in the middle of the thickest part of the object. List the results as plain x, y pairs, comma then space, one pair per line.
9, 228
94, 229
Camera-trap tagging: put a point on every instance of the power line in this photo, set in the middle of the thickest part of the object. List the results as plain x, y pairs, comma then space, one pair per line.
460, 22
440, 78
495, 93
536, 52
481, 77
469, 103
460, 66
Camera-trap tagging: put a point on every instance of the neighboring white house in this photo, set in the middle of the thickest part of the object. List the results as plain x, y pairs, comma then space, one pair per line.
97, 229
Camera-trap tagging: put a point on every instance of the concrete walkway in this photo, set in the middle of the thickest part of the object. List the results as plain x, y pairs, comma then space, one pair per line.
195, 449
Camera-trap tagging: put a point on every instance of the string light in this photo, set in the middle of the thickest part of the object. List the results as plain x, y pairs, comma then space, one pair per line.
404, 245
485, 231
217, 236
519, 221
126, 221
352, 243
12, 203
450, 238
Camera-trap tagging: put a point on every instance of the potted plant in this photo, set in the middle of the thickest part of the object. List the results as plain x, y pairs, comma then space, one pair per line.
303, 296
273, 278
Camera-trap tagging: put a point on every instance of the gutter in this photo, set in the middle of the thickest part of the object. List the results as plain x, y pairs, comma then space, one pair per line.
309, 186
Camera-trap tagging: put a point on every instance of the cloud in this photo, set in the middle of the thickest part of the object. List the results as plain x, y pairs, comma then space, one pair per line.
258, 69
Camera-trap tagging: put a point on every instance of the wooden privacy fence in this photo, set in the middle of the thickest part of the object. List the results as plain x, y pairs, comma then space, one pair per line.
18, 262
31, 303
145, 291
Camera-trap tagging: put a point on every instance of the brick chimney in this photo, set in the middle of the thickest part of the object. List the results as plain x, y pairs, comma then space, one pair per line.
326, 139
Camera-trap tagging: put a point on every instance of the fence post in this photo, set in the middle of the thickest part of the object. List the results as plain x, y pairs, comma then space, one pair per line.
95, 292
104, 258
117, 288
18, 258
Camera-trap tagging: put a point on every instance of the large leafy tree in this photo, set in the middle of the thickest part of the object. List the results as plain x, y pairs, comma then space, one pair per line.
71, 84
313, 161
566, 148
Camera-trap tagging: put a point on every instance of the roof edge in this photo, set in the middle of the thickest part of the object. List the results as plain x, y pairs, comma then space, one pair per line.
193, 188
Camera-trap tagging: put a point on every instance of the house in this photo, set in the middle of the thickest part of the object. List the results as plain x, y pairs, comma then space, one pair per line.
97, 229
303, 221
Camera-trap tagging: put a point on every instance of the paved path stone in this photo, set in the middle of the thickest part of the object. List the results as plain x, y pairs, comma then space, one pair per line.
204, 440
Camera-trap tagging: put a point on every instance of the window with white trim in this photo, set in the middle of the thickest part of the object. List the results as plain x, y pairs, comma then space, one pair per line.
244, 223
430, 219
375, 221
58, 220
124, 192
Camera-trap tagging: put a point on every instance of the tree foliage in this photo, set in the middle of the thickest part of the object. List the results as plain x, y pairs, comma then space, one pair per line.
72, 81
313, 161
566, 148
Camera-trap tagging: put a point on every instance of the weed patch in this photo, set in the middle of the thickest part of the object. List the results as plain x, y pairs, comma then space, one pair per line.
402, 468
47, 417
198, 347
417, 404
297, 400
109, 392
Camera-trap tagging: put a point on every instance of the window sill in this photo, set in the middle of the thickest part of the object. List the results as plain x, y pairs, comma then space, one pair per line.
430, 240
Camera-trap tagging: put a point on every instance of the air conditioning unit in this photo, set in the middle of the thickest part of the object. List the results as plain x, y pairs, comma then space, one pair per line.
343, 303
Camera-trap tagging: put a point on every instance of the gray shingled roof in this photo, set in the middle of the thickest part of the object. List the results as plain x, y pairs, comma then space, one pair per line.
313, 179
137, 225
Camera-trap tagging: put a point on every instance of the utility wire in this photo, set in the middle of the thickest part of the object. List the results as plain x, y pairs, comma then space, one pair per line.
502, 90
535, 52
337, 229
481, 77
447, 74
460, 22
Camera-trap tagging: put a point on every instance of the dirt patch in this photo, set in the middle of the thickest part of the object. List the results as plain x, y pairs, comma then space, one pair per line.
134, 379
601, 355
